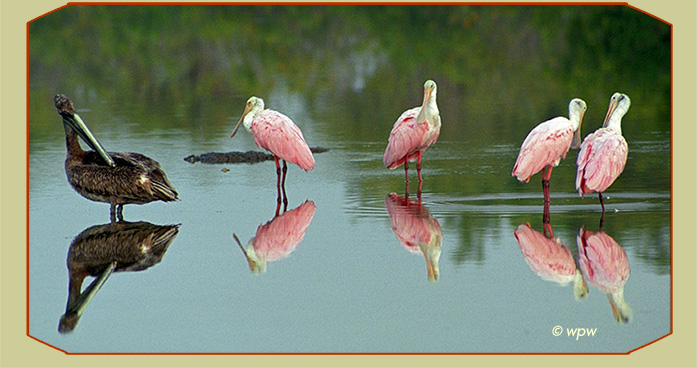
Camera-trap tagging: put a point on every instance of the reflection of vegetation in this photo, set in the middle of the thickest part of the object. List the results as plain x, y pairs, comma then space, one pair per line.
645, 234
498, 66
500, 70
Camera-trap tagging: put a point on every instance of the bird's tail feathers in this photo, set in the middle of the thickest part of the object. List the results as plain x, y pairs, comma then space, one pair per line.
165, 191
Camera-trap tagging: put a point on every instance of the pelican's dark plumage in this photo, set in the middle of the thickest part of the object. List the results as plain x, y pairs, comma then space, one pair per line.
111, 177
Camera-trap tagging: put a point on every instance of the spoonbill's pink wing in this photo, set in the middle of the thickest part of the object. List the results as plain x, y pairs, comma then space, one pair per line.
547, 257
278, 134
600, 161
406, 138
411, 223
602, 260
545, 145
279, 237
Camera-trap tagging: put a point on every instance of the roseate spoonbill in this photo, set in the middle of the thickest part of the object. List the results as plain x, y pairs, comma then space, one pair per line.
416, 230
605, 265
277, 134
111, 177
603, 153
412, 133
549, 259
102, 249
548, 143
278, 238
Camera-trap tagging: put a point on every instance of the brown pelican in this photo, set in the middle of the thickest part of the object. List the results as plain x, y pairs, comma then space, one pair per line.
111, 177
101, 250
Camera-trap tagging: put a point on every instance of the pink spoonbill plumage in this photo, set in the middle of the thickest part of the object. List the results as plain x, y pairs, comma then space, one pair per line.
547, 144
416, 230
413, 132
549, 259
605, 265
279, 237
603, 153
277, 134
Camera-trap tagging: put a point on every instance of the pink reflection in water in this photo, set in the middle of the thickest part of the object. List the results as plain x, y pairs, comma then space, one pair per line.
416, 230
549, 259
605, 266
279, 237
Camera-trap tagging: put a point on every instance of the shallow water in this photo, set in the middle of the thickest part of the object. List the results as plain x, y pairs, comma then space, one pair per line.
349, 285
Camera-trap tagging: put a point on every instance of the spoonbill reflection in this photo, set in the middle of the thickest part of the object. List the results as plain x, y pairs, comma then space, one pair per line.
416, 230
277, 134
102, 249
111, 177
605, 265
548, 143
604, 152
279, 237
412, 133
549, 259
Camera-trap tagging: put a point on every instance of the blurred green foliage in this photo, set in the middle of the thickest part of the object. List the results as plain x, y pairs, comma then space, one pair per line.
498, 67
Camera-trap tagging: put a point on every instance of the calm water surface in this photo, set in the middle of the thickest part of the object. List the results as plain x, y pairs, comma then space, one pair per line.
349, 285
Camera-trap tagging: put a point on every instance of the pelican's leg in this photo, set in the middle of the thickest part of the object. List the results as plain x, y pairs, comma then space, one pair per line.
278, 179
283, 186
119, 212
112, 213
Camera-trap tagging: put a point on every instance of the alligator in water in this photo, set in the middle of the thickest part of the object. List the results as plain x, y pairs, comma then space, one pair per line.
249, 157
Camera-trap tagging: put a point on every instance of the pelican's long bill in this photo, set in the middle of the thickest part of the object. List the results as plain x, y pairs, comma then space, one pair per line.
81, 129
246, 110
71, 119
79, 305
74, 310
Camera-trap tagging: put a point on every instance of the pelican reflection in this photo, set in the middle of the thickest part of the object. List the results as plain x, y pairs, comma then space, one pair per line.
101, 250
605, 265
279, 237
416, 230
549, 259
